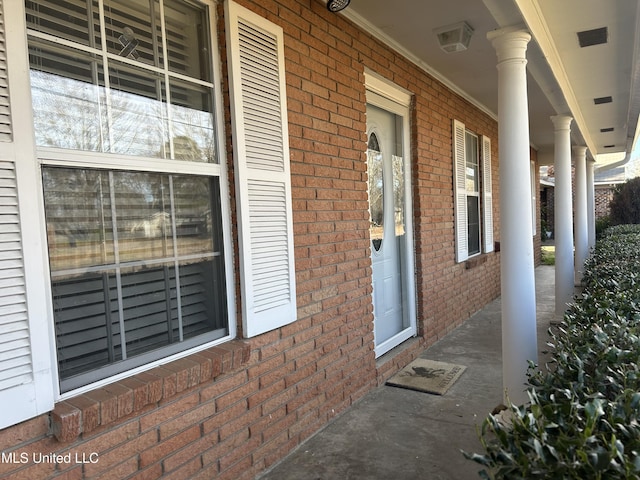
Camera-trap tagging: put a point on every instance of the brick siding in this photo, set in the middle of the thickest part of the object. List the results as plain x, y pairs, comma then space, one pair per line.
603, 197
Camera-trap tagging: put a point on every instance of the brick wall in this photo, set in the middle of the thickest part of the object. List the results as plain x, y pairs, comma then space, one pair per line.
231, 412
603, 197
537, 238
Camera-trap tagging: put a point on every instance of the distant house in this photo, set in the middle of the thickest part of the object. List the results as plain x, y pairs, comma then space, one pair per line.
605, 183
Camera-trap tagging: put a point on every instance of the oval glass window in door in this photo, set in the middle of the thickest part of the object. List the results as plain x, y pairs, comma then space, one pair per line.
376, 192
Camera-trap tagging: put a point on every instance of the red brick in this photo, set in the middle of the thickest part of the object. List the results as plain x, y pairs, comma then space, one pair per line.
161, 450
23, 432
152, 472
168, 411
155, 385
106, 438
66, 422
124, 396
108, 405
108, 460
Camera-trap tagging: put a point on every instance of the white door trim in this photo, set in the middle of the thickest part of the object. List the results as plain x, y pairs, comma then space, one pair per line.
385, 94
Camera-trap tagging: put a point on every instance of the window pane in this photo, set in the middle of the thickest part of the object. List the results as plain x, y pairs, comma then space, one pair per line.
187, 39
67, 91
193, 198
131, 116
192, 122
157, 283
376, 191
203, 303
86, 322
137, 112
63, 18
398, 194
133, 30
473, 224
472, 163
78, 212
143, 206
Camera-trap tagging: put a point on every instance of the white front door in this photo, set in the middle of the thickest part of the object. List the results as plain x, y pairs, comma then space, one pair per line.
390, 231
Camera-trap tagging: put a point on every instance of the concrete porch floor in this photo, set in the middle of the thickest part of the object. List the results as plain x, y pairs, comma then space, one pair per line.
407, 435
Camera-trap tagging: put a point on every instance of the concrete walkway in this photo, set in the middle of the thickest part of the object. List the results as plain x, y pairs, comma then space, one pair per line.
399, 434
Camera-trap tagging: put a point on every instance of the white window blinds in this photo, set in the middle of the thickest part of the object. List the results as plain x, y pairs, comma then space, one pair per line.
263, 178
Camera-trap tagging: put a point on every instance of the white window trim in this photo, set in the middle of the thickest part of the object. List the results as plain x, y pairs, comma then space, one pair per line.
460, 193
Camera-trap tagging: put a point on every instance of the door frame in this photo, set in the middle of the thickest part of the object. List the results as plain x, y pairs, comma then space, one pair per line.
386, 95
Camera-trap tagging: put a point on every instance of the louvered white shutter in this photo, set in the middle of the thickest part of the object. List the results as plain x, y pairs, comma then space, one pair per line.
26, 384
263, 178
5, 113
487, 195
459, 165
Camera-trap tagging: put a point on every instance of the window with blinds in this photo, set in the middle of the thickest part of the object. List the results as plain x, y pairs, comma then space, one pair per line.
122, 76
135, 265
473, 193
135, 253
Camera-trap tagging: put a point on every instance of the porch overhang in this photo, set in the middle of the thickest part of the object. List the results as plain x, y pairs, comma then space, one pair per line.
565, 78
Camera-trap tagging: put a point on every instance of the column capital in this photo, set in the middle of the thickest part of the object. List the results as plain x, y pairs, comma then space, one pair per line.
579, 151
510, 43
561, 122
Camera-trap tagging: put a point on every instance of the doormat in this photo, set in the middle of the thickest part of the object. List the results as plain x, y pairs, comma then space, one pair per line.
427, 376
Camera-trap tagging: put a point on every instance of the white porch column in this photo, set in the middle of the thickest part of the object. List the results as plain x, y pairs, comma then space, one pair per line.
519, 341
591, 203
581, 227
563, 213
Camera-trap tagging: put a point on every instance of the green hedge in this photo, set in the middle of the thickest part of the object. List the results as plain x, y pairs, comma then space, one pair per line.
583, 418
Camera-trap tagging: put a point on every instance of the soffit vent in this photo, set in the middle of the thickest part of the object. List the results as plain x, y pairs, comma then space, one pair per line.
601, 100
596, 36
609, 146
606, 130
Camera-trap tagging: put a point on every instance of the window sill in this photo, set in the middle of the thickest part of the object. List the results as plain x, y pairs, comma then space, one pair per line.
103, 406
475, 261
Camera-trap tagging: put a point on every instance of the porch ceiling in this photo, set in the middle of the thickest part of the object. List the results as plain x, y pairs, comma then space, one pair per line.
564, 78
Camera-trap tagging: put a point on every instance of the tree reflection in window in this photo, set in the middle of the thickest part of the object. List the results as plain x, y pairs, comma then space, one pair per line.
136, 265
134, 92
376, 191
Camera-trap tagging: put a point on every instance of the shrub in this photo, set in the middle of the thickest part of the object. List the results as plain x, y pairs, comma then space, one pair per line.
625, 204
602, 224
582, 419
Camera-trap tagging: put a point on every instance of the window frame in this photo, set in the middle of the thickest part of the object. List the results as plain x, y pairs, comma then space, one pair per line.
474, 163
59, 157
484, 194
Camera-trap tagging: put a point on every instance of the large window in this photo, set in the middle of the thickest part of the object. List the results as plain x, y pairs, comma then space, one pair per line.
123, 100
473, 192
